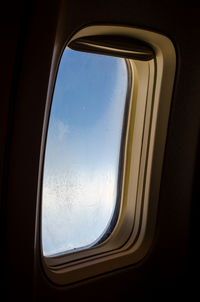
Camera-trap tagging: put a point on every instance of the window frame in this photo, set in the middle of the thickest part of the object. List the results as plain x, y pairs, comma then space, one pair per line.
144, 165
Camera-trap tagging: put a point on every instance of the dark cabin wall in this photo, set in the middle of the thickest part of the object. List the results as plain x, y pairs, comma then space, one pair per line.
29, 39
29, 34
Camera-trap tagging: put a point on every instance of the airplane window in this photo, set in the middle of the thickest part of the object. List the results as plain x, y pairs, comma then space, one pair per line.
81, 177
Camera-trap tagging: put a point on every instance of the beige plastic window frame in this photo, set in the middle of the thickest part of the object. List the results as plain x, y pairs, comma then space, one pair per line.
150, 99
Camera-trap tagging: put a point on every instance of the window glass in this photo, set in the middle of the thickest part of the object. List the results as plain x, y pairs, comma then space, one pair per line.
82, 156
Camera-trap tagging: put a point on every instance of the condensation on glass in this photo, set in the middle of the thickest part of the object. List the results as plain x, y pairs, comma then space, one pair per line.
81, 167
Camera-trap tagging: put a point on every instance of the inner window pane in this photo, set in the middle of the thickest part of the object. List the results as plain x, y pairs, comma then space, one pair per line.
82, 151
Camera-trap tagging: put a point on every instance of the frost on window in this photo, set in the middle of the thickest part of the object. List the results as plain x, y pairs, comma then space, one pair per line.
82, 152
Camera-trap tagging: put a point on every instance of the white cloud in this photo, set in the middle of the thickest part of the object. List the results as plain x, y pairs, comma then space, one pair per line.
61, 129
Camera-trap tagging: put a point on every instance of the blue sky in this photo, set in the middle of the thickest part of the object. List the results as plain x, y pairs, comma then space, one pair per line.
82, 153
